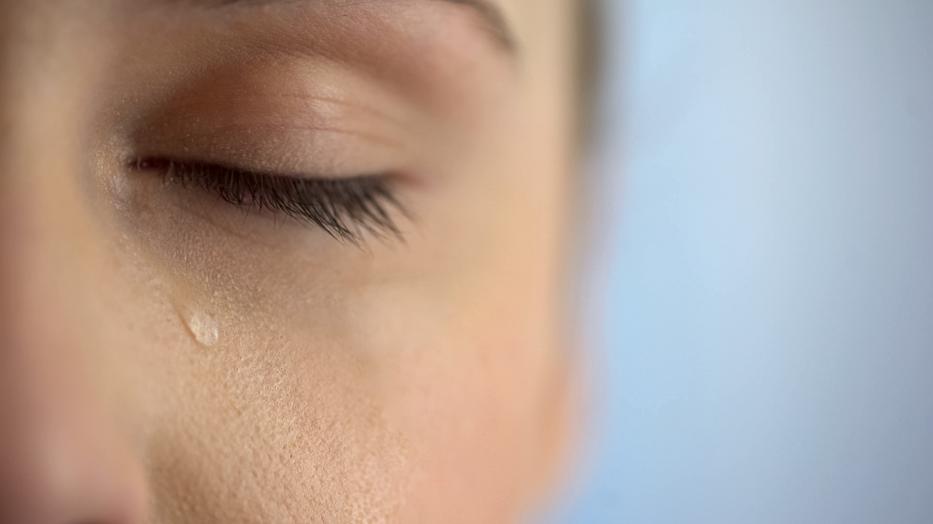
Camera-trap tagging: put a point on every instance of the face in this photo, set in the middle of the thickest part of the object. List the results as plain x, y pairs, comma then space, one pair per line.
282, 260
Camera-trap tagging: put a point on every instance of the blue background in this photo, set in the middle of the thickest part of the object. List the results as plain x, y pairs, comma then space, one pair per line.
761, 289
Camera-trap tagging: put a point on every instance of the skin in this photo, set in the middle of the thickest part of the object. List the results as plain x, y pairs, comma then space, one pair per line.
167, 357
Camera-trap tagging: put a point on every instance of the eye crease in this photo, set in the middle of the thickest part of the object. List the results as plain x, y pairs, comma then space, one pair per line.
345, 208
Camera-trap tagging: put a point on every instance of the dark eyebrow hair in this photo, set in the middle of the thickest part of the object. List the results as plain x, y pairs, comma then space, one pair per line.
491, 16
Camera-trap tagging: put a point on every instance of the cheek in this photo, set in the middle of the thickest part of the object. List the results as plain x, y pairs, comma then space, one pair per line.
461, 367
280, 417
346, 397
271, 430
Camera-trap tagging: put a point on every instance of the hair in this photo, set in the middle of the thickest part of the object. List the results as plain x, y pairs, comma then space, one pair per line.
589, 54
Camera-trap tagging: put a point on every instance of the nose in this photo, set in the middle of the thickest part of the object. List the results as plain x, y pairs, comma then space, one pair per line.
58, 462
63, 457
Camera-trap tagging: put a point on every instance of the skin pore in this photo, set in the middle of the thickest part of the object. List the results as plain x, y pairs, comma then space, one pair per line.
176, 346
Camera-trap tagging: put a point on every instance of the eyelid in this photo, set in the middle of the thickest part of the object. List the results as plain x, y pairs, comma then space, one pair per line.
345, 208
282, 116
287, 148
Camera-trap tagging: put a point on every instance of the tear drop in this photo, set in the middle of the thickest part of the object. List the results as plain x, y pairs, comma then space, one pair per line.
203, 327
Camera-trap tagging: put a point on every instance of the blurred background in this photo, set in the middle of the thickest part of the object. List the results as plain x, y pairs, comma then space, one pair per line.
760, 300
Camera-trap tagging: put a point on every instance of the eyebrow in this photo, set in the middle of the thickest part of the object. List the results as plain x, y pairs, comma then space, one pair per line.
490, 14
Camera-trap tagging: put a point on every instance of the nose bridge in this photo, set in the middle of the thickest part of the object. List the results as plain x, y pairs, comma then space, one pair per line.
43, 221
60, 459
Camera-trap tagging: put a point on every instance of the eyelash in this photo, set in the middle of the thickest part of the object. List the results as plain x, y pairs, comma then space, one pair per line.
344, 208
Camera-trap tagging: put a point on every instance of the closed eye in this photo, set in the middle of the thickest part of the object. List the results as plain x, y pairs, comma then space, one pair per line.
345, 208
